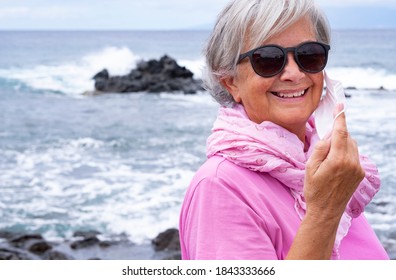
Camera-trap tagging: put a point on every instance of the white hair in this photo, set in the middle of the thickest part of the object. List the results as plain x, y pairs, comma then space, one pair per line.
249, 23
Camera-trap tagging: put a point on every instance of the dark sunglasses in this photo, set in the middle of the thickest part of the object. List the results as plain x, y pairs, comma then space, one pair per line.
269, 60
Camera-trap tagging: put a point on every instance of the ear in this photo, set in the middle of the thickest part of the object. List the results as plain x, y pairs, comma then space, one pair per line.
229, 84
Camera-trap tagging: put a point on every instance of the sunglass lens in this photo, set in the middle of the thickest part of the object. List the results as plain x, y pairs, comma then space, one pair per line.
312, 57
268, 61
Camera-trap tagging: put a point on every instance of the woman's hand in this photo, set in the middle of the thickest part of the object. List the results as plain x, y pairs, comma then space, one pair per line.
333, 173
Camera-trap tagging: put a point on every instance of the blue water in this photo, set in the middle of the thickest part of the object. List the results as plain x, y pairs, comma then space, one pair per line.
120, 163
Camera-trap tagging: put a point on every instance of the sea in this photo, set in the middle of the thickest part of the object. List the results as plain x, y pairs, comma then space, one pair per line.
120, 164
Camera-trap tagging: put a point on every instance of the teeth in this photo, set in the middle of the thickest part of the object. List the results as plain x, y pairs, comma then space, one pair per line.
290, 95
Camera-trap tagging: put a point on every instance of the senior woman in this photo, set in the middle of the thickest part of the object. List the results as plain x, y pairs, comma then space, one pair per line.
270, 188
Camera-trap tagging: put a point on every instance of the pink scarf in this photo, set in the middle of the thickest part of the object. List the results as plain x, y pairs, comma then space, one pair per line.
269, 148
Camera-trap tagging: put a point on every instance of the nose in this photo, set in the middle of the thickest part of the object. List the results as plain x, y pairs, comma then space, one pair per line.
292, 71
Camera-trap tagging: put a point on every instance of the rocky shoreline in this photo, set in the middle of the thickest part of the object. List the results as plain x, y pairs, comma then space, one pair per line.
88, 245
152, 76
91, 245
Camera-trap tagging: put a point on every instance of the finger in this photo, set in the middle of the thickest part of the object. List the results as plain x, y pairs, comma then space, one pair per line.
340, 134
339, 112
339, 109
319, 154
355, 149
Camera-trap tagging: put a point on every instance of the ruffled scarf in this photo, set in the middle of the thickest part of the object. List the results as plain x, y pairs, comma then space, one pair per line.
269, 148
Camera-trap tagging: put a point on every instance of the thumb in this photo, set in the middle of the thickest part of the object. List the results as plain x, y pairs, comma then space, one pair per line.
338, 110
340, 130
319, 154
339, 113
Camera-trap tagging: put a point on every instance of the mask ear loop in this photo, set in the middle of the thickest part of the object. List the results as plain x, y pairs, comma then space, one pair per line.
324, 114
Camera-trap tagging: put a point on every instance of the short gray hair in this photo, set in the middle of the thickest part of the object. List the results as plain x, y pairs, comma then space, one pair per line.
260, 20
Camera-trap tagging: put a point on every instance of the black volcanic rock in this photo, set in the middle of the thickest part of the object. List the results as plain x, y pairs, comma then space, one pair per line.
86, 245
152, 76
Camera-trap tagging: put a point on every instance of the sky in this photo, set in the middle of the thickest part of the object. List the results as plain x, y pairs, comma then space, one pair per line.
167, 14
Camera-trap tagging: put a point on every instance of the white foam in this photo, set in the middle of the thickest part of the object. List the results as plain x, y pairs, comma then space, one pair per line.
113, 197
363, 78
74, 77
191, 100
195, 66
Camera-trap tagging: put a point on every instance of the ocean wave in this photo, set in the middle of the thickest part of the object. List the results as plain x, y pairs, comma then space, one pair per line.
69, 175
195, 66
74, 77
363, 78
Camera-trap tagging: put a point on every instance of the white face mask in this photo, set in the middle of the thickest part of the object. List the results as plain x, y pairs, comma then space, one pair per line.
324, 114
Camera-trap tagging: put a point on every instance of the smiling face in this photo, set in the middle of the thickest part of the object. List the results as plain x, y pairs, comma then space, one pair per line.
287, 99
